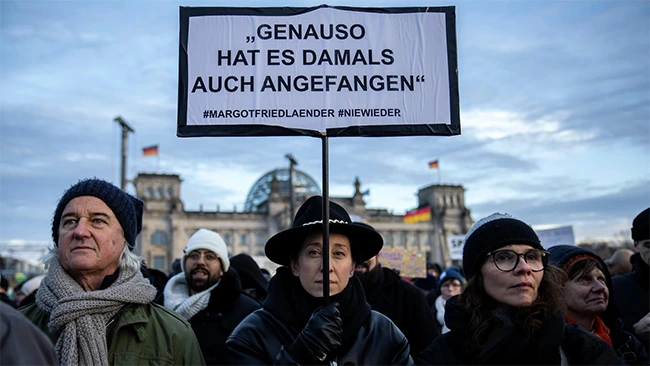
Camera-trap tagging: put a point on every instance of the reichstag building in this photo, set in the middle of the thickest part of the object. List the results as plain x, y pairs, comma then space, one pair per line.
167, 226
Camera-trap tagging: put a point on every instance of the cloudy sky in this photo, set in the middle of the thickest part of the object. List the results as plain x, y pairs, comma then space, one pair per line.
555, 115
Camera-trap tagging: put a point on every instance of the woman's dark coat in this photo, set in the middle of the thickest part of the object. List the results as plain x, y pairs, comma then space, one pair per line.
263, 338
505, 345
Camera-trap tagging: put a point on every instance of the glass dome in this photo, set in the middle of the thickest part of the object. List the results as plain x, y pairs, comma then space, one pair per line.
304, 186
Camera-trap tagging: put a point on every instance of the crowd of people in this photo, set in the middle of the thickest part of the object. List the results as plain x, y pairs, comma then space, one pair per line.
511, 302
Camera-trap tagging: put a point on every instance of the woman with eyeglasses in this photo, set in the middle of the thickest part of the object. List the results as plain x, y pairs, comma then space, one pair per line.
587, 293
511, 311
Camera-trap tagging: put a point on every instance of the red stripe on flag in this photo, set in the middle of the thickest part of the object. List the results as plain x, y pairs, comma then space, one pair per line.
150, 151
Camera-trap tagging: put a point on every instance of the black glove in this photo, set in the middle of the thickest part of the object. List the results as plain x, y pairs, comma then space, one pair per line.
322, 336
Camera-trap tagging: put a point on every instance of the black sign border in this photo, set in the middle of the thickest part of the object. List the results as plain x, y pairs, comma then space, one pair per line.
183, 130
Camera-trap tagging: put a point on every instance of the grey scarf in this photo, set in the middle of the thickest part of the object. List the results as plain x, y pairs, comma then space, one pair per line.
177, 297
80, 317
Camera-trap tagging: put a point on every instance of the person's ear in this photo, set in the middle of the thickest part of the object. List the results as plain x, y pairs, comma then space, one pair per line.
294, 267
352, 267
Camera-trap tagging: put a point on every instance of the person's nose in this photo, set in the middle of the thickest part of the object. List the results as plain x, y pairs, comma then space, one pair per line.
331, 267
523, 267
82, 229
201, 259
599, 287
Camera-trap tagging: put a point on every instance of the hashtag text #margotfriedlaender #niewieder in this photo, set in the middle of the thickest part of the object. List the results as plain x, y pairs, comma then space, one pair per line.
301, 113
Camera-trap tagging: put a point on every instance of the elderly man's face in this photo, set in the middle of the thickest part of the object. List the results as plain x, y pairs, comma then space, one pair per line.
90, 238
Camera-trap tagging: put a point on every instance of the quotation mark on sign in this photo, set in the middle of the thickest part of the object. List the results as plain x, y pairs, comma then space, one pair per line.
419, 78
250, 39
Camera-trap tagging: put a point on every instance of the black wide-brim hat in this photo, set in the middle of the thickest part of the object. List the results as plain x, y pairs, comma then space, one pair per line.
365, 242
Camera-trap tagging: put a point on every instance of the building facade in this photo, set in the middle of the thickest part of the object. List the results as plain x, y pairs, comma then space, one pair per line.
167, 226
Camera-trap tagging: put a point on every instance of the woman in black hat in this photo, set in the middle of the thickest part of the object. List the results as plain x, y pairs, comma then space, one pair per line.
587, 292
294, 327
511, 310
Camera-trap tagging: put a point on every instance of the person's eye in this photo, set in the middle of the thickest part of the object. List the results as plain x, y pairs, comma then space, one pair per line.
503, 257
532, 257
69, 223
211, 257
99, 221
339, 254
313, 252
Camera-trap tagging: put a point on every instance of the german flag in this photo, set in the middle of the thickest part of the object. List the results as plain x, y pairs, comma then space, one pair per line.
433, 164
150, 151
418, 215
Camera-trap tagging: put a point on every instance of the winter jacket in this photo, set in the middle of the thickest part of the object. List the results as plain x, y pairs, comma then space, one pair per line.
369, 338
406, 306
140, 335
556, 343
21, 342
226, 309
626, 345
632, 296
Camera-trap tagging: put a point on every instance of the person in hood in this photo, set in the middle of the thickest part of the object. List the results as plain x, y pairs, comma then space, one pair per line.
631, 291
400, 301
252, 278
587, 293
295, 326
511, 311
207, 293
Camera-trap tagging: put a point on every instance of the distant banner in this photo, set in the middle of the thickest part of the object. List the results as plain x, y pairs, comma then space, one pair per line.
556, 236
409, 263
455, 244
342, 71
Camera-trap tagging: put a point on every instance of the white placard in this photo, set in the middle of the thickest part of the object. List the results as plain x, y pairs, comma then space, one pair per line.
328, 68
456, 243
556, 236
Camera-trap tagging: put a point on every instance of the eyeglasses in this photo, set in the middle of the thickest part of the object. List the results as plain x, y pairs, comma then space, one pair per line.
208, 256
507, 260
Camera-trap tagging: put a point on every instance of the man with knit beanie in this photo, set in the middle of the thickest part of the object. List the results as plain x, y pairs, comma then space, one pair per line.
631, 293
94, 303
208, 293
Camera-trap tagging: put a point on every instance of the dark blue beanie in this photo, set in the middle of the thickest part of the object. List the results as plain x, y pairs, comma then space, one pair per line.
127, 208
451, 273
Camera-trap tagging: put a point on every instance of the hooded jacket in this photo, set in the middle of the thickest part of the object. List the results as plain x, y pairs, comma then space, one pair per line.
626, 345
556, 343
263, 338
405, 305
